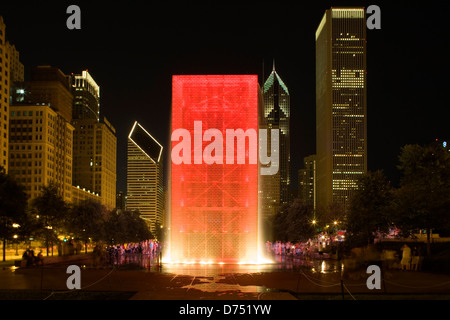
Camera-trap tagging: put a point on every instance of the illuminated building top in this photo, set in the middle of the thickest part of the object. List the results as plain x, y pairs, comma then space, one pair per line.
145, 187
86, 104
144, 141
277, 116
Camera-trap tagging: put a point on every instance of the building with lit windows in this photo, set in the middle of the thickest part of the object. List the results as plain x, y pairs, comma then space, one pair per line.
40, 152
145, 189
41, 136
17, 92
277, 116
95, 158
16, 67
4, 98
11, 72
341, 108
86, 96
49, 85
307, 181
79, 195
274, 190
94, 141
121, 201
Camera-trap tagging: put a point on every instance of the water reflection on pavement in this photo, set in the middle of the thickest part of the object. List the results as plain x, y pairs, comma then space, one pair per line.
286, 263
278, 263
224, 277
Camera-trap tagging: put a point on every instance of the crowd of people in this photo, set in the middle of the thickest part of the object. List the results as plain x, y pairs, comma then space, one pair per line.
150, 247
296, 249
30, 259
116, 254
407, 258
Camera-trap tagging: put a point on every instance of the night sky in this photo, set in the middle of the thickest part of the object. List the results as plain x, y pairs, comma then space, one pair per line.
133, 50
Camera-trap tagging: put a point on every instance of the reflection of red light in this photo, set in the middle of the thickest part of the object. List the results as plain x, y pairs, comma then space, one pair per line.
220, 200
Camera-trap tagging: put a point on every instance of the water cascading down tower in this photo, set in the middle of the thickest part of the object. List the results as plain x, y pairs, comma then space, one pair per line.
214, 169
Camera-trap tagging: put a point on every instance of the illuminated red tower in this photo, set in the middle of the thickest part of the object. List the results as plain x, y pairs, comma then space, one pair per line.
214, 207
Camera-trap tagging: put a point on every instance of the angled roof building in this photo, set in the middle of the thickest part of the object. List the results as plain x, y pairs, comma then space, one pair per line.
145, 190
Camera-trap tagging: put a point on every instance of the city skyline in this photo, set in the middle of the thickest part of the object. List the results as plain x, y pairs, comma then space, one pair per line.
137, 79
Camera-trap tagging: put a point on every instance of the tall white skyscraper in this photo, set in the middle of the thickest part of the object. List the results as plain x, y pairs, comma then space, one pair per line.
145, 189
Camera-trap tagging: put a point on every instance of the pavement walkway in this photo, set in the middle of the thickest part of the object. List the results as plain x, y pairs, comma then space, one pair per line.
217, 283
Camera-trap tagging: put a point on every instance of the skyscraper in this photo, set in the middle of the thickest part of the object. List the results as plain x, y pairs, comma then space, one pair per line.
11, 72
341, 108
95, 158
307, 181
40, 149
17, 91
145, 189
49, 85
41, 135
86, 96
4, 98
94, 141
16, 67
277, 116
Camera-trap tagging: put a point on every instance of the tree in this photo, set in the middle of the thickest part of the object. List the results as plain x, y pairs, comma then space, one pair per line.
280, 223
159, 232
332, 215
13, 204
52, 211
423, 200
299, 217
369, 210
87, 220
126, 226
294, 222
138, 228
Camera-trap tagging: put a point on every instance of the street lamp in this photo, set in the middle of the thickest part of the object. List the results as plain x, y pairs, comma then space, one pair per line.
15, 226
17, 244
335, 227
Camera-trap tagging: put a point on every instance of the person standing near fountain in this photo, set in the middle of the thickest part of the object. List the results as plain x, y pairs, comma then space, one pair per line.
406, 257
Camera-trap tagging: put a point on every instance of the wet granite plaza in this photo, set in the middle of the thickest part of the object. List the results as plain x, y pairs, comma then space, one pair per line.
142, 277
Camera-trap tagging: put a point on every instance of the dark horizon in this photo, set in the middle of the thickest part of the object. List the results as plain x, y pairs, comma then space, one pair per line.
133, 51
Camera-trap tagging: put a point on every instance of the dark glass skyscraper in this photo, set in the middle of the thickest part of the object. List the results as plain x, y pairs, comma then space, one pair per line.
94, 141
341, 109
86, 96
276, 116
